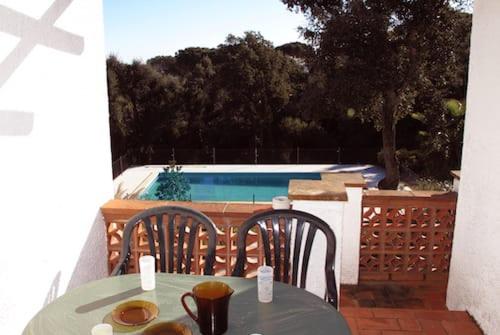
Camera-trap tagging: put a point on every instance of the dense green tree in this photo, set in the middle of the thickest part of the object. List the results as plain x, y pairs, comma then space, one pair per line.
377, 55
164, 64
245, 93
198, 100
173, 185
233, 96
120, 106
255, 85
299, 51
143, 105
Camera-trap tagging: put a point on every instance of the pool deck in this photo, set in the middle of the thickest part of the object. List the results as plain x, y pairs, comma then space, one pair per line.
132, 182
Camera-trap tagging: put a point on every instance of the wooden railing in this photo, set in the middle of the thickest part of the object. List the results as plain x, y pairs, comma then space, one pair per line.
406, 235
226, 216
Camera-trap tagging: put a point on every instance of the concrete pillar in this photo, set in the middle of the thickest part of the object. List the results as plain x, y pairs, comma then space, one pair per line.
336, 199
331, 212
456, 180
474, 282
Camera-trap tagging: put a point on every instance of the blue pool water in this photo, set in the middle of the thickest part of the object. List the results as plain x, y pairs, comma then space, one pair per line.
235, 186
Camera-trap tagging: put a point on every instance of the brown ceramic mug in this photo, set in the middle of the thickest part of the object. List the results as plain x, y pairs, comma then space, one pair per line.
212, 301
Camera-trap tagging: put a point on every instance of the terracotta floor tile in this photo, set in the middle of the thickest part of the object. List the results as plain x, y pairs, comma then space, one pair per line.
397, 290
434, 304
392, 313
383, 293
409, 324
412, 303
377, 324
347, 302
432, 327
434, 315
407, 309
370, 332
363, 295
367, 303
461, 316
401, 332
356, 312
352, 323
385, 303
461, 328
405, 295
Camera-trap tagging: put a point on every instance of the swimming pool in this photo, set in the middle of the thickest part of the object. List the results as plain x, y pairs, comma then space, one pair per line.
226, 186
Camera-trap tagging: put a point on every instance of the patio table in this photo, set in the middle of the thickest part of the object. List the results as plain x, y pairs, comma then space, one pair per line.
293, 310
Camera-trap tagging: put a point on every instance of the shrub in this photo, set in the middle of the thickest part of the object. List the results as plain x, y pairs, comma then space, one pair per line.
173, 185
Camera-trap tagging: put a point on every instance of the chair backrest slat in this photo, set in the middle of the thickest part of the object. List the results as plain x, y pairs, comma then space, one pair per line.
161, 241
171, 233
192, 237
288, 241
180, 243
267, 244
296, 224
150, 236
277, 248
166, 226
307, 253
296, 250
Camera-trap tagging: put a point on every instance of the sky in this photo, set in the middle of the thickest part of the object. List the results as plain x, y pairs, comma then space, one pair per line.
141, 29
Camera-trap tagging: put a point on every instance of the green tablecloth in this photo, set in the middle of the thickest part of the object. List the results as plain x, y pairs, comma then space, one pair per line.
293, 310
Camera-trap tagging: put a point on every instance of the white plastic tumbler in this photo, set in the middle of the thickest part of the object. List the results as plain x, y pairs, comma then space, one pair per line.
265, 283
147, 268
281, 202
102, 329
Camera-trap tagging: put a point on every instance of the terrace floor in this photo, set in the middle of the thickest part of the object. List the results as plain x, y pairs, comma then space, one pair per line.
417, 295
402, 309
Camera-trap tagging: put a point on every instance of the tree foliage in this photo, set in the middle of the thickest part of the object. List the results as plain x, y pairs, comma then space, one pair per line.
143, 104
173, 185
383, 60
242, 89
398, 67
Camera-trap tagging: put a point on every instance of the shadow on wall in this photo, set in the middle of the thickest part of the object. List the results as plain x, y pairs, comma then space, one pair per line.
93, 261
121, 193
15, 123
27, 29
54, 289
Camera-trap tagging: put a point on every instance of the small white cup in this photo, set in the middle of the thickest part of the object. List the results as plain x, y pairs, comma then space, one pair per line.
281, 202
147, 268
102, 329
265, 283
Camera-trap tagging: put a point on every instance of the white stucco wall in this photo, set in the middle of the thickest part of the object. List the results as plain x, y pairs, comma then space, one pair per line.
474, 283
344, 217
331, 212
351, 236
55, 160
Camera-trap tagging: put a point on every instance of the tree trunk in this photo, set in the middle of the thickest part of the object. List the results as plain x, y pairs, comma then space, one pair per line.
391, 180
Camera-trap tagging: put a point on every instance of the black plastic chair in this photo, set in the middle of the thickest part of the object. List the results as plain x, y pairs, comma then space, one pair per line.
286, 268
171, 222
